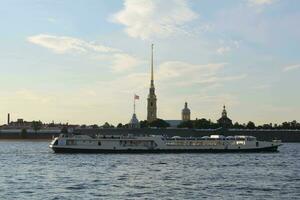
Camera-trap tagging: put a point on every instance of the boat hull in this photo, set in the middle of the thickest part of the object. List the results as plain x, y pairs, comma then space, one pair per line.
82, 150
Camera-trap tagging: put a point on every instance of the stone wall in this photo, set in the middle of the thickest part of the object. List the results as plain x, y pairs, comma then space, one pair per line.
268, 135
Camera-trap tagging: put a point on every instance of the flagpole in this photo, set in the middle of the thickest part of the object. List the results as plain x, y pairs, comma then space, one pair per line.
134, 104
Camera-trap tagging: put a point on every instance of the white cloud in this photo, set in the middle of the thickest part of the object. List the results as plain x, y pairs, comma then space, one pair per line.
185, 74
291, 67
223, 50
63, 44
227, 46
260, 2
157, 18
120, 61
178, 69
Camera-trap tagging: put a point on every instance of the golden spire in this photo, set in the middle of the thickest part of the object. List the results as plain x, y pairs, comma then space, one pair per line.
152, 78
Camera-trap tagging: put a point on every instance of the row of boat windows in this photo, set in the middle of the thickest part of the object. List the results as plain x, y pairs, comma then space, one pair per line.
122, 142
137, 143
203, 143
212, 139
73, 142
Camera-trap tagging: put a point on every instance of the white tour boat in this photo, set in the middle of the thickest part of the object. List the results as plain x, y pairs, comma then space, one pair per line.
160, 144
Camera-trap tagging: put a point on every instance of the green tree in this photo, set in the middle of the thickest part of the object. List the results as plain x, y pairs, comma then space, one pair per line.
120, 125
144, 124
267, 126
36, 125
204, 124
238, 126
250, 125
95, 126
107, 125
186, 124
159, 123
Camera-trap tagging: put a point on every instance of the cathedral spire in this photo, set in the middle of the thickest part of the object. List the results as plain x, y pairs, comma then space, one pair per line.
151, 107
152, 76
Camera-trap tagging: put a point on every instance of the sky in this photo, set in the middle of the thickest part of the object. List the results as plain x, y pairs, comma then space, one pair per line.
82, 61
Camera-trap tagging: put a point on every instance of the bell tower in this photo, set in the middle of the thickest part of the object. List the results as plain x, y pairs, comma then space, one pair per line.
151, 106
186, 113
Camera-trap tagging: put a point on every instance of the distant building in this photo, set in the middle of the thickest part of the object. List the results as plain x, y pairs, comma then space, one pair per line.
151, 106
19, 124
22, 124
224, 121
134, 122
186, 113
8, 119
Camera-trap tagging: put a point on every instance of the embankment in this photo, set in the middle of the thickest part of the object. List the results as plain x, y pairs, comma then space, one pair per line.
284, 135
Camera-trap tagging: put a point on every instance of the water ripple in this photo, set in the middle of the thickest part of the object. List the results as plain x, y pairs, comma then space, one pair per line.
29, 170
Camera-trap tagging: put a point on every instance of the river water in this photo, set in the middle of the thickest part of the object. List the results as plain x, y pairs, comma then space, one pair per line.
30, 170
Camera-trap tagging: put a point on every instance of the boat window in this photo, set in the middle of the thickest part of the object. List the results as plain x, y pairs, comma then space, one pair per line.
99, 143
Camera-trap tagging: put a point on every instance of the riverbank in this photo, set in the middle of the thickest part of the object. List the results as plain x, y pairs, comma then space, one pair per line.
267, 135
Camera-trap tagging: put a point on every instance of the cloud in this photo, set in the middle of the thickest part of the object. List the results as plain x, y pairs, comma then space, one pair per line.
227, 46
291, 67
177, 69
260, 2
223, 50
185, 74
158, 18
124, 62
62, 44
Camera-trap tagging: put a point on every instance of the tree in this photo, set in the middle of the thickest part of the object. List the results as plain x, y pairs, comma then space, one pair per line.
120, 125
159, 123
238, 126
186, 124
107, 125
204, 124
144, 124
267, 126
36, 125
95, 126
250, 125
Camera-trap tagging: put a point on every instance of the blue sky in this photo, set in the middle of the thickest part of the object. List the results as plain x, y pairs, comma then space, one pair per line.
81, 62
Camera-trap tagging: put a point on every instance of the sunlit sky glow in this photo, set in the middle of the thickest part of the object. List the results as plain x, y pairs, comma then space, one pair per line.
82, 61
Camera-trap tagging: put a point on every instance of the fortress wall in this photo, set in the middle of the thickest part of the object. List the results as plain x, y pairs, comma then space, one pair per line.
284, 135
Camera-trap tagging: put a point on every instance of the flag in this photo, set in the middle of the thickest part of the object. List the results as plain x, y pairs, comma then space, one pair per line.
136, 97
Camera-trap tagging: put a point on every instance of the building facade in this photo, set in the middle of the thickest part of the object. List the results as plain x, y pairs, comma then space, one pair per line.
152, 100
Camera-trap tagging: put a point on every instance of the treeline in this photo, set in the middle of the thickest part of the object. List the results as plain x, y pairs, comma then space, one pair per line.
208, 124
203, 124
293, 125
159, 123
